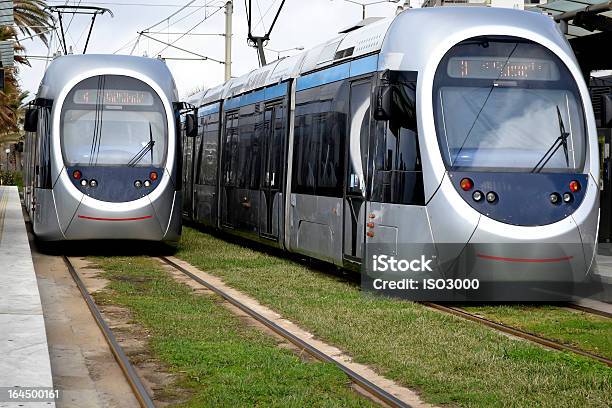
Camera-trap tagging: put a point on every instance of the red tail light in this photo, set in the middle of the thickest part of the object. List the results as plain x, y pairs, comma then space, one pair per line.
466, 184
153, 176
76, 174
574, 186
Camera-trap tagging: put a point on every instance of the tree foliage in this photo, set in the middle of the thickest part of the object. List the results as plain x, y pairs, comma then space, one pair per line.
31, 18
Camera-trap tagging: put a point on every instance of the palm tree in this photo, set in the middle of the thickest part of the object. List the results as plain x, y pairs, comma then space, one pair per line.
11, 98
31, 18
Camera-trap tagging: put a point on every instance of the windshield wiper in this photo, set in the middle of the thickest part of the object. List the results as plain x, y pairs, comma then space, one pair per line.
560, 141
146, 149
493, 86
97, 130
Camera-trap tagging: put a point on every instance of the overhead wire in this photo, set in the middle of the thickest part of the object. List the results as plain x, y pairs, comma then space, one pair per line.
183, 49
127, 4
265, 14
188, 4
260, 16
190, 30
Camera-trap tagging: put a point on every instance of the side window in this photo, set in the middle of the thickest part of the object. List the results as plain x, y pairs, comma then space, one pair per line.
209, 151
200, 149
304, 170
230, 149
398, 175
320, 131
248, 150
43, 176
331, 132
277, 154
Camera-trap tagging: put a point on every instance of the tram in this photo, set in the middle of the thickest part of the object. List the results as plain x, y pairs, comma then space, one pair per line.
102, 151
468, 131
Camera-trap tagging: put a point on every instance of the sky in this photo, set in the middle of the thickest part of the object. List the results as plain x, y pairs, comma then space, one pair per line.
302, 23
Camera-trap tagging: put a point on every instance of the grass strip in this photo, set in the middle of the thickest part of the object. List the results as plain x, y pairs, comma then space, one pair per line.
450, 360
579, 329
223, 361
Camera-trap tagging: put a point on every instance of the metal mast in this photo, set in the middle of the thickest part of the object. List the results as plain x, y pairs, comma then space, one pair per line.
229, 10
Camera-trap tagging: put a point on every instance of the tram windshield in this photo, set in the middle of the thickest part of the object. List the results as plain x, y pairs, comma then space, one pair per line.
112, 120
507, 104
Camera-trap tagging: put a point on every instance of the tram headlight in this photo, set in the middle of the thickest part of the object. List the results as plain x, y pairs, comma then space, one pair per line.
93, 183
491, 197
477, 195
138, 184
84, 183
147, 183
555, 198
567, 197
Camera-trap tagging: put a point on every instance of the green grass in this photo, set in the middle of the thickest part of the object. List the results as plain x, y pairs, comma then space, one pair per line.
449, 360
579, 329
223, 361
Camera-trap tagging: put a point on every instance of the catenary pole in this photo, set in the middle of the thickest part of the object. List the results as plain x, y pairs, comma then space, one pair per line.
229, 10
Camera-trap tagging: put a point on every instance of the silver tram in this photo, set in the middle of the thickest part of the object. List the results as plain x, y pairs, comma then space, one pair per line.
445, 128
102, 151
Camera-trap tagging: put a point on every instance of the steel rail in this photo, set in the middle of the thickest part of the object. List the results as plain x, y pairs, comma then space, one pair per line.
590, 310
128, 370
553, 344
364, 383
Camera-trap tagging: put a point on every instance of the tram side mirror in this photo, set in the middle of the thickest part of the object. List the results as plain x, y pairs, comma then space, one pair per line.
30, 123
191, 126
383, 109
606, 110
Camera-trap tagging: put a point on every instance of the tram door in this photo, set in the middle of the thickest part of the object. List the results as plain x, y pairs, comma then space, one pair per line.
605, 180
271, 178
230, 166
187, 173
354, 194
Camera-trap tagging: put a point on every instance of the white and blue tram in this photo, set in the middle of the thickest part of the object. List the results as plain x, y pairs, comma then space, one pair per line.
103, 152
455, 126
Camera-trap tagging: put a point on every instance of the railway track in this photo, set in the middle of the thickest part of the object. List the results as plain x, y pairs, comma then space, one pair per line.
369, 387
590, 310
376, 392
145, 400
550, 343
132, 377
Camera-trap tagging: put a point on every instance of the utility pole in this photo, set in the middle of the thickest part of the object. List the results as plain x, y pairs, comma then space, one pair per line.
229, 10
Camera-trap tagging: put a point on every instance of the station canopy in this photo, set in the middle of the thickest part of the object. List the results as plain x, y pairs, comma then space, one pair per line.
587, 24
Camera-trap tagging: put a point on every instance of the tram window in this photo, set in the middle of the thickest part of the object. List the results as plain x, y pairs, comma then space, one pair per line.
230, 149
208, 157
44, 149
330, 170
305, 155
276, 156
398, 176
319, 134
248, 153
108, 120
272, 136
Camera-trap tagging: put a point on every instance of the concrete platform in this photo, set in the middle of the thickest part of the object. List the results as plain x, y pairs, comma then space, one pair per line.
24, 352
